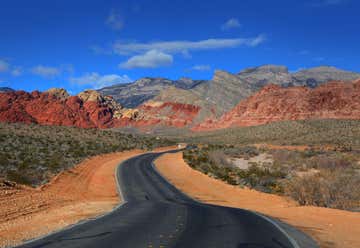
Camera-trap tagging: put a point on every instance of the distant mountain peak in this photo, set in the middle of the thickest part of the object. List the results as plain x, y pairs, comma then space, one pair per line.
266, 69
5, 89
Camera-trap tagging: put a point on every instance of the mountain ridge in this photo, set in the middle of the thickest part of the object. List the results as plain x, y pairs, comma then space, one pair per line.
225, 89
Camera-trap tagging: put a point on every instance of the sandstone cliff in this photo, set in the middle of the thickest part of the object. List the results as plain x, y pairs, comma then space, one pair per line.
334, 100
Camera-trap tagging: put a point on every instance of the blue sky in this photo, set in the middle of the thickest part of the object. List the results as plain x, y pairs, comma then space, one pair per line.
88, 44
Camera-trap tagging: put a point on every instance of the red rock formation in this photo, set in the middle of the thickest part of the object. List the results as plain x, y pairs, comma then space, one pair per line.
334, 100
89, 110
162, 113
47, 109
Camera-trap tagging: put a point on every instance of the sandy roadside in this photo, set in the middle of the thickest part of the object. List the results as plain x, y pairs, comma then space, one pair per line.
330, 227
86, 191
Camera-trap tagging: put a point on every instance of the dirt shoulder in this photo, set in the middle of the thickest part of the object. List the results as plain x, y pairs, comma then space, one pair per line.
330, 227
87, 190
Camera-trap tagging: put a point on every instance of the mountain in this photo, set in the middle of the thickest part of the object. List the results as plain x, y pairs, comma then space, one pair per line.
333, 100
134, 94
185, 103
5, 89
224, 91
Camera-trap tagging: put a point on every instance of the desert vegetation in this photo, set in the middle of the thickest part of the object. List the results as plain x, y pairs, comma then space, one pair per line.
32, 154
326, 178
342, 134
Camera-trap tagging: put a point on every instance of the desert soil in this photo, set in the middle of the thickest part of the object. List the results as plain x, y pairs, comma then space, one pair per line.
329, 227
86, 191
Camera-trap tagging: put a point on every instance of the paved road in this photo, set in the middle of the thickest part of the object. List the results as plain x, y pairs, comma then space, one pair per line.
158, 215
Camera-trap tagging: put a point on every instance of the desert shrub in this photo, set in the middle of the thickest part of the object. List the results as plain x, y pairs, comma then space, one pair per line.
18, 177
32, 154
329, 161
330, 188
344, 134
242, 151
263, 179
219, 158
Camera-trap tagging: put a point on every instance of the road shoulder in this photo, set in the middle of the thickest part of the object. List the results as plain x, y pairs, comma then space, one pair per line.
329, 227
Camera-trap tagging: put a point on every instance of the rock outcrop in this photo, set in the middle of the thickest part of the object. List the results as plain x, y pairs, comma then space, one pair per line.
56, 107
156, 113
134, 94
58, 92
334, 100
89, 109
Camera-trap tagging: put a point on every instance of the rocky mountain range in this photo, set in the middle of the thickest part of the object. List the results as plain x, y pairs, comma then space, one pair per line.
251, 97
224, 90
333, 100
133, 94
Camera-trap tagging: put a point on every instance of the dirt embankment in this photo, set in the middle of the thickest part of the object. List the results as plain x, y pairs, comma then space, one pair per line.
87, 190
330, 227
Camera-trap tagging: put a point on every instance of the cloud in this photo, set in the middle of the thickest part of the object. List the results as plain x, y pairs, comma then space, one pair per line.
115, 20
319, 59
201, 68
150, 59
320, 3
16, 71
230, 24
97, 81
4, 66
304, 52
46, 71
179, 46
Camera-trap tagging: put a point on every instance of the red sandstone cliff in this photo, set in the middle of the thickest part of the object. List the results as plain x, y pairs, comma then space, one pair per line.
334, 100
89, 110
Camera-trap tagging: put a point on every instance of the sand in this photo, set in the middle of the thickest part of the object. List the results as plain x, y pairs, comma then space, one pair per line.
329, 227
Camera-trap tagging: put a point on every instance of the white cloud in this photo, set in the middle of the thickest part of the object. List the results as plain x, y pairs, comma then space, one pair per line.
320, 3
332, 2
45, 71
201, 68
115, 20
16, 71
319, 59
4, 66
179, 46
304, 52
150, 59
230, 24
97, 81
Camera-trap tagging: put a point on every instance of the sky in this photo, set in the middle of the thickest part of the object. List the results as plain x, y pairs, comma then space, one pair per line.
77, 45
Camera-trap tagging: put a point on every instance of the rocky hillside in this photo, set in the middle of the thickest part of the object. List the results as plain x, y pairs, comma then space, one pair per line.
56, 107
134, 94
5, 89
159, 102
224, 91
333, 100
90, 109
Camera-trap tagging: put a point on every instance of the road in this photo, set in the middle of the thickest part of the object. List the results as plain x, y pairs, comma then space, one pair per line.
156, 214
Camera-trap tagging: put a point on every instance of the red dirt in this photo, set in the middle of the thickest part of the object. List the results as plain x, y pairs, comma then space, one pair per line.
87, 190
330, 227
333, 100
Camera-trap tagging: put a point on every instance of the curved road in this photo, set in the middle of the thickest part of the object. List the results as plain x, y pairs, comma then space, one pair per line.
156, 214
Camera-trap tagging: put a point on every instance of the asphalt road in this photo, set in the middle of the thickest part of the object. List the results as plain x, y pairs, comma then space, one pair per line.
156, 214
